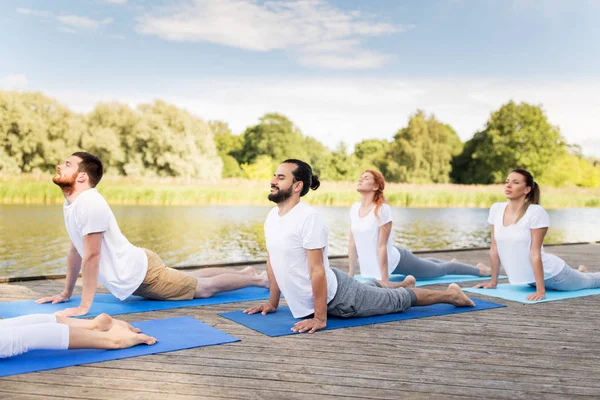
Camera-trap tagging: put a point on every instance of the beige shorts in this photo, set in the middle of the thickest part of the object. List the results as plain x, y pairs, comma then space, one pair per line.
164, 283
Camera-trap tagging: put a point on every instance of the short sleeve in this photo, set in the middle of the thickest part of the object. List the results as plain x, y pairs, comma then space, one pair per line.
314, 232
384, 215
539, 218
93, 217
492, 213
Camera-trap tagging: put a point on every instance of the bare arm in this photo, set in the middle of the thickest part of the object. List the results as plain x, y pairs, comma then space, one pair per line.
318, 280
274, 294
494, 264
382, 255
90, 264
352, 255
535, 254
73, 268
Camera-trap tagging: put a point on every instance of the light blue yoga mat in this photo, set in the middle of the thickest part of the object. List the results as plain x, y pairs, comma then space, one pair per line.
109, 304
435, 281
172, 334
281, 322
519, 293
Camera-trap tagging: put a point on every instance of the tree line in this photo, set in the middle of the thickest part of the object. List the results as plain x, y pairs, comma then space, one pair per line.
159, 139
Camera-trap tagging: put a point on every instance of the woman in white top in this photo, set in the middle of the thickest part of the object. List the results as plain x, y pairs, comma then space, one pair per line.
518, 230
51, 332
372, 246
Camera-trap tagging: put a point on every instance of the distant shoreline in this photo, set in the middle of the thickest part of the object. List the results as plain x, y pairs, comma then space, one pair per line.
39, 189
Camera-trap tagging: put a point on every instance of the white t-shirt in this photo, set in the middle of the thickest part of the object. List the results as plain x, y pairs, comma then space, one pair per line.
514, 244
288, 238
366, 238
122, 265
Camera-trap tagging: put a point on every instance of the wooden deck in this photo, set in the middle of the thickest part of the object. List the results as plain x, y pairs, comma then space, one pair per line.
549, 350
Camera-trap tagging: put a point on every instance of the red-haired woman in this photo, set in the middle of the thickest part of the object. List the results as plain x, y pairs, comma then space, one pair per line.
372, 247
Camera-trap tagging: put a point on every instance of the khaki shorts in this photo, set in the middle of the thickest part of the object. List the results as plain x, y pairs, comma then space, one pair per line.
163, 283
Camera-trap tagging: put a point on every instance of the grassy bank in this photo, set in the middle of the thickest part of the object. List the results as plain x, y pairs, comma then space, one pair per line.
39, 189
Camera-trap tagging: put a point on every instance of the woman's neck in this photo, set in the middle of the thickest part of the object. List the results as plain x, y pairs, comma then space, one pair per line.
367, 199
514, 205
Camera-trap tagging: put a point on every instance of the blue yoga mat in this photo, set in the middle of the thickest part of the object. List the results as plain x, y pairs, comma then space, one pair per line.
281, 322
172, 334
519, 293
109, 304
435, 281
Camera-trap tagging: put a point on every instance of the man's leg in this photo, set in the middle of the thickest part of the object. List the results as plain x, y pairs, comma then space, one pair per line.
210, 272
208, 287
452, 295
355, 299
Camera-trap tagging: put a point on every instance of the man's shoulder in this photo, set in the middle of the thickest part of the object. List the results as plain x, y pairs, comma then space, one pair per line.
91, 198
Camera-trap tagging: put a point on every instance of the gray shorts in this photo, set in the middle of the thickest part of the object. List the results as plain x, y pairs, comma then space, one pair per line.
357, 299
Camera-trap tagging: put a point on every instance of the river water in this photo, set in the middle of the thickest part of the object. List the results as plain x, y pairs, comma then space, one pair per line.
33, 239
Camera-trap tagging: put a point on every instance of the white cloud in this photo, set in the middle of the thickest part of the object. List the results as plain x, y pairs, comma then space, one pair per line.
67, 30
37, 13
14, 82
68, 21
115, 1
77, 21
354, 109
317, 33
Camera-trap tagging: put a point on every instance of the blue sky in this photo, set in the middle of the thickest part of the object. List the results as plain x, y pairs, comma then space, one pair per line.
343, 70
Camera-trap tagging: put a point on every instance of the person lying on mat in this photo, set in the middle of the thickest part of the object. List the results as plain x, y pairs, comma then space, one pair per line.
51, 332
100, 249
518, 227
298, 268
371, 245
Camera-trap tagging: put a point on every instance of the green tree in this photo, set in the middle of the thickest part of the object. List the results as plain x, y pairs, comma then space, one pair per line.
276, 137
168, 141
517, 135
36, 132
422, 151
229, 147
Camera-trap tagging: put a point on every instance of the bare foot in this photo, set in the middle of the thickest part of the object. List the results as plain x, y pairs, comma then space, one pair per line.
409, 281
459, 298
249, 271
264, 279
127, 325
583, 268
484, 270
103, 322
124, 338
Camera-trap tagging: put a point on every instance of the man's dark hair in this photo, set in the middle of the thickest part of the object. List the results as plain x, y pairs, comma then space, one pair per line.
303, 173
91, 165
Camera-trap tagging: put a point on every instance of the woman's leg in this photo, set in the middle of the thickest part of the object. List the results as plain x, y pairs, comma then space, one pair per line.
20, 339
117, 337
30, 319
422, 268
572, 279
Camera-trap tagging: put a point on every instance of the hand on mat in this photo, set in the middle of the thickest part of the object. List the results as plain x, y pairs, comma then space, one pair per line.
264, 309
537, 296
311, 325
486, 285
73, 312
59, 298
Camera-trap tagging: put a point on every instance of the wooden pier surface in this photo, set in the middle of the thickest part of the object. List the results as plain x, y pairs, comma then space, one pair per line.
548, 350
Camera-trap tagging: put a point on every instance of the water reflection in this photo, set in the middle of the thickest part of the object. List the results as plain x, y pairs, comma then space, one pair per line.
33, 239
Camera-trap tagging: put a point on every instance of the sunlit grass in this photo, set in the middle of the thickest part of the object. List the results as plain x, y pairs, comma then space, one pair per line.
39, 189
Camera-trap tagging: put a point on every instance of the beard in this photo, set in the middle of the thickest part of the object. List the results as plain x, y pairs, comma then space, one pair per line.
281, 195
65, 182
